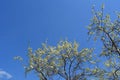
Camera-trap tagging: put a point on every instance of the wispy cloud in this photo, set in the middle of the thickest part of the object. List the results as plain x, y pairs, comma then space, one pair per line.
5, 75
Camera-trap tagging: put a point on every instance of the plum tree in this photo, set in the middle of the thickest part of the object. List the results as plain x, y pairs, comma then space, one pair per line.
108, 30
63, 61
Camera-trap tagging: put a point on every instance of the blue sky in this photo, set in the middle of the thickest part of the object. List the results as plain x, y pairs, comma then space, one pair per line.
36, 21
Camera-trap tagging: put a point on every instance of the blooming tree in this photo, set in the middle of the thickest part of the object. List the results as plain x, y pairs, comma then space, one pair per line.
63, 61
109, 33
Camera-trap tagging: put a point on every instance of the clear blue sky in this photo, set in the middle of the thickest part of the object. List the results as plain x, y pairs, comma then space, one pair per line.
40, 20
